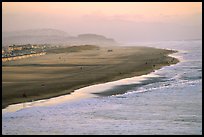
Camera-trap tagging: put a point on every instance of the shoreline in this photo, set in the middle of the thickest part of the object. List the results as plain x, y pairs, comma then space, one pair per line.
113, 78
79, 94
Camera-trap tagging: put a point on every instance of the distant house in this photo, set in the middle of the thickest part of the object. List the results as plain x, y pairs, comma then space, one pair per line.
35, 46
15, 47
19, 47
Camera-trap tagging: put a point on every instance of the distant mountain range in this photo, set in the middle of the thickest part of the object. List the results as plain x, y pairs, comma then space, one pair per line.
52, 36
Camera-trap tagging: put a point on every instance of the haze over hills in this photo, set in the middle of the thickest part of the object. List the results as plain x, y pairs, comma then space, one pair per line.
52, 36
37, 32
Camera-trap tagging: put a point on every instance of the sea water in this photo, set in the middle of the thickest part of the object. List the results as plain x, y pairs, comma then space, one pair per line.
170, 103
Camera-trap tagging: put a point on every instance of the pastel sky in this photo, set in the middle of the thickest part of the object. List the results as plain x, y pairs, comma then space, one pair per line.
129, 22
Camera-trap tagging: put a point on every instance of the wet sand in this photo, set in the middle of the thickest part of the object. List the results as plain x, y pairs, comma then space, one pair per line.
60, 72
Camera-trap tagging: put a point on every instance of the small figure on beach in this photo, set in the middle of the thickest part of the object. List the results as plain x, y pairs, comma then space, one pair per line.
24, 95
172, 60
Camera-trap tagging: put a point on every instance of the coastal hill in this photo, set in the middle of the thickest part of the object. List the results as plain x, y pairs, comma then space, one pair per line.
94, 39
52, 36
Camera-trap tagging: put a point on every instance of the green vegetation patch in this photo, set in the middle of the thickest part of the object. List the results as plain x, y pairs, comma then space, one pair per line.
72, 49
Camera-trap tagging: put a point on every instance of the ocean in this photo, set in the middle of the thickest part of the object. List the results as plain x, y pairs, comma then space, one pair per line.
167, 101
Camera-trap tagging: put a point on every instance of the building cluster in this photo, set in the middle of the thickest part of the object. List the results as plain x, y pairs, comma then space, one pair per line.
21, 50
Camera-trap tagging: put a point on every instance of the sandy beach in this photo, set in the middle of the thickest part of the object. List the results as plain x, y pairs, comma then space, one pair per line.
167, 101
61, 71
